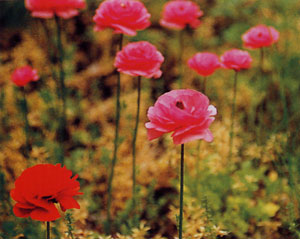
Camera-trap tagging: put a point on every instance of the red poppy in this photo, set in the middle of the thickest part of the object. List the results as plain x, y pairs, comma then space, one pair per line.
23, 75
139, 59
124, 16
38, 188
49, 8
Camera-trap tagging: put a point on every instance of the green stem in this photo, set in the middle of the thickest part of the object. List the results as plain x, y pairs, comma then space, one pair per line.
134, 143
116, 142
181, 191
63, 92
204, 85
232, 115
26, 127
48, 230
262, 60
50, 53
180, 63
198, 166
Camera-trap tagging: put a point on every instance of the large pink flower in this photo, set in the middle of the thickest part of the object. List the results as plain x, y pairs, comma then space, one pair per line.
260, 36
38, 188
185, 112
178, 14
49, 8
139, 59
23, 75
124, 16
204, 63
236, 59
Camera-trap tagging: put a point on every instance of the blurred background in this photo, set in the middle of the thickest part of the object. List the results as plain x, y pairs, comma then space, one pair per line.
255, 194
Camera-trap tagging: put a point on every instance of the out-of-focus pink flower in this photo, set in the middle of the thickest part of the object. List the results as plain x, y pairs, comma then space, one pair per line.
23, 75
178, 14
260, 36
204, 63
124, 16
185, 112
139, 59
236, 59
49, 8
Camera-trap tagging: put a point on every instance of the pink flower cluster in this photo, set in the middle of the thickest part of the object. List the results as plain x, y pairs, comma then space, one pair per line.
206, 63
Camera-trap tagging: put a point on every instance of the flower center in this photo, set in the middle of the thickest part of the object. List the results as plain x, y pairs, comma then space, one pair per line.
50, 199
259, 34
180, 105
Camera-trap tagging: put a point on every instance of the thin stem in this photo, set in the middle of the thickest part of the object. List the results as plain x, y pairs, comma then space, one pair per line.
181, 191
116, 142
48, 230
262, 59
204, 85
134, 142
232, 115
50, 53
180, 65
26, 127
63, 119
198, 166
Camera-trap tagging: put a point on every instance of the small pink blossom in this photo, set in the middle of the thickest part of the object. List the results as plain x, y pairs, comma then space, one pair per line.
185, 112
204, 63
124, 16
260, 36
178, 14
49, 8
236, 59
23, 75
139, 59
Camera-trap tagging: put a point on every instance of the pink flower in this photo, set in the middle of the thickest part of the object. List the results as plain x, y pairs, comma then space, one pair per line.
23, 75
185, 112
49, 8
236, 59
204, 63
139, 59
179, 13
260, 36
124, 16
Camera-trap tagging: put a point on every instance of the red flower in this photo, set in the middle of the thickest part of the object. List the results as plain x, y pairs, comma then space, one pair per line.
204, 63
39, 187
260, 36
236, 59
49, 8
139, 59
23, 75
124, 16
185, 112
179, 13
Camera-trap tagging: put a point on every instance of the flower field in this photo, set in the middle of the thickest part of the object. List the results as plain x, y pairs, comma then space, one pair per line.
149, 119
